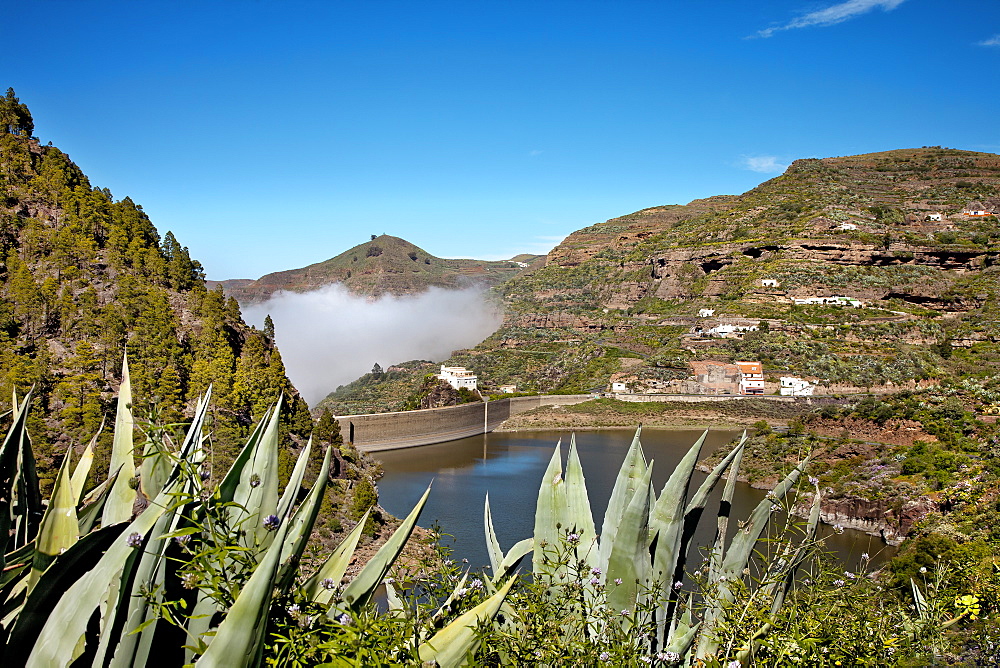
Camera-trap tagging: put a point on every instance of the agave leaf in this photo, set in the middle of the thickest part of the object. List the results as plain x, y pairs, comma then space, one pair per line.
68, 568
335, 566
579, 517
629, 477
396, 606
513, 558
362, 587
154, 469
58, 642
239, 640
492, 544
92, 504
256, 495
666, 519
629, 557
549, 511
59, 528
302, 523
118, 507
453, 645
736, 559
455, 595
131, 624
8, 473
741, 547
226, 491
295, 480
83, 467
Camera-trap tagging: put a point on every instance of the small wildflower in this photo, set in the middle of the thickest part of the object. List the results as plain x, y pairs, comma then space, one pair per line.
327, 583
306, 622
390, 581
476, 584
272, 522
461, 592
573, 538
645, 659
183, 540
733, 664
775, 507
603, 656
465, 561
618, 581
344, 619
294, 609
864, 556
624, 613
838, 583
669, 657
923, 569
678, 584
189, 580
849, 575
595, 581
255, 480
595, 571
204, 473
813, 480
134, 539
838, 529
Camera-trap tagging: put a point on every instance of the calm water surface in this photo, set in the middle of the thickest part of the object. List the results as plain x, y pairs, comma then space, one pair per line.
509, 466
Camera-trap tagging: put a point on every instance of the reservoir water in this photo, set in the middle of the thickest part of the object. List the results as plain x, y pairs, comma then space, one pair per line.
509, 466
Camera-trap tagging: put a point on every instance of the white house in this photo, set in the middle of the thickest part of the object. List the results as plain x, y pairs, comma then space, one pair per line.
936, 217
828, 301
751, 377
508, 389
795, 387
724, 331
706, 313
618, 387
458, 377
847, 226
770, 283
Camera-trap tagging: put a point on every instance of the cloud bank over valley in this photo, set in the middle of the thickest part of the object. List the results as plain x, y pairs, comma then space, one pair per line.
331, 336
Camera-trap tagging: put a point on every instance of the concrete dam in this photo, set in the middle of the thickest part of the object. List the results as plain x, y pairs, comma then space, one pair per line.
406, 429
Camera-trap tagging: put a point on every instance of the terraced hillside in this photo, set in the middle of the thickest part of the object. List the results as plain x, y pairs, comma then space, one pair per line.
621, 299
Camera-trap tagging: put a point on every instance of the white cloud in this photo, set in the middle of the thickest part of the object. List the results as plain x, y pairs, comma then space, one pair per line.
765, 164
329, 337
833, 15
992, 41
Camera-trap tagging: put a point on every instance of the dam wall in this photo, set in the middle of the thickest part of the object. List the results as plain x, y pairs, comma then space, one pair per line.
406, 429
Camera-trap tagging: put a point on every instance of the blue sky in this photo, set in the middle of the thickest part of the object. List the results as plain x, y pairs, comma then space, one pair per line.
269, 135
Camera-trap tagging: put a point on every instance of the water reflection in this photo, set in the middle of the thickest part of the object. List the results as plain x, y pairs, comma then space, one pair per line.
509, 466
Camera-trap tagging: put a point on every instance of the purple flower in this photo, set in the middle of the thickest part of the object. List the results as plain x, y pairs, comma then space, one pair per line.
255, 480
573, 538
476, 584
624, 613
838, 583
678, 584
327, 583
134, 539
183, 540
595, 581
603, 656
272, 522
595, 571
618, 581
344, 619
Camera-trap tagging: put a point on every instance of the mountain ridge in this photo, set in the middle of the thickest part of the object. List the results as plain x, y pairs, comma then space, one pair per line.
383, 265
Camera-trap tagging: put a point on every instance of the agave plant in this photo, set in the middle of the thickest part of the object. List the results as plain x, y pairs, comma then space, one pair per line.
191, 579
637, 562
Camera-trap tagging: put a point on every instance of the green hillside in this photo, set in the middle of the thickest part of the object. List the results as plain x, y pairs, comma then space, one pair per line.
383, 265
83, 275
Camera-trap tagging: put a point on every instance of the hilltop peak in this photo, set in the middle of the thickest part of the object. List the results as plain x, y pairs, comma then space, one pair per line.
382, 265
